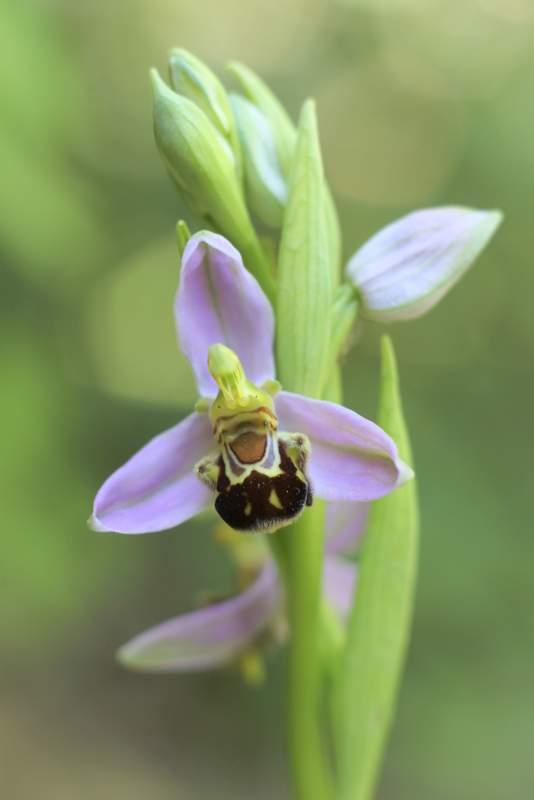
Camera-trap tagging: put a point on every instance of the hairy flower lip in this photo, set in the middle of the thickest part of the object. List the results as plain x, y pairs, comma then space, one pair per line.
219, 301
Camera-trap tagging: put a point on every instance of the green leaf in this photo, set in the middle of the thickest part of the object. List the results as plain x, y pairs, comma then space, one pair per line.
305, 285
380, 620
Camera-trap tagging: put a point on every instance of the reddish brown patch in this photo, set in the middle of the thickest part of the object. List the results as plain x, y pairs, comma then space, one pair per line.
249, 448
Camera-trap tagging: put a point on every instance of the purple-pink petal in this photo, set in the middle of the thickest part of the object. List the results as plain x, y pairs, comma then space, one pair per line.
344, 526
210, 637
218, 300
339, 582
157, 488
351, 457
407, 267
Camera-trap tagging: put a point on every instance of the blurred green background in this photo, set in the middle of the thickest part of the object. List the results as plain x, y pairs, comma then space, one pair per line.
421, 102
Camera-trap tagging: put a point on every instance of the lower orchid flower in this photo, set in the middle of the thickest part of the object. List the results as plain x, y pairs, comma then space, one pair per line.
225, 632
256, 449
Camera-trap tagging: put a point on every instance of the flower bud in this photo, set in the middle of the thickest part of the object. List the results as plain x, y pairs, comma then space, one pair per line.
284, 136
201, 164
198, 159
283, 130
406, 268
191, 78
265, 185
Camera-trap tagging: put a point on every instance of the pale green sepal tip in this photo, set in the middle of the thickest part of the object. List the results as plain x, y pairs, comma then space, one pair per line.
136, 661
95, 525
124, 658
493, 219
380, 620
183, 234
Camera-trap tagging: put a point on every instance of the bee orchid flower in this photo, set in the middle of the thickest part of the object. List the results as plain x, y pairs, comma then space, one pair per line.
222, 633
255, 450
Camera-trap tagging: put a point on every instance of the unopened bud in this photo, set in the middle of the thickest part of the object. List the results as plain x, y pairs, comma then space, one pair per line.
191, 78
406, 268
265, 184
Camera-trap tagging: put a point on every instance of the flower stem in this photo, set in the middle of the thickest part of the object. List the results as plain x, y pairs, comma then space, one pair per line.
299, 552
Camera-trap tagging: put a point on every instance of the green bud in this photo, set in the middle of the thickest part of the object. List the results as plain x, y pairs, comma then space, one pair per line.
191, 78
282, 128
284, 135
305, 278
198, 161
265, 185
201, 165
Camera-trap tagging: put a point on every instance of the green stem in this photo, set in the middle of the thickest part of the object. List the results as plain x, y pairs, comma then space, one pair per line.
299, 552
